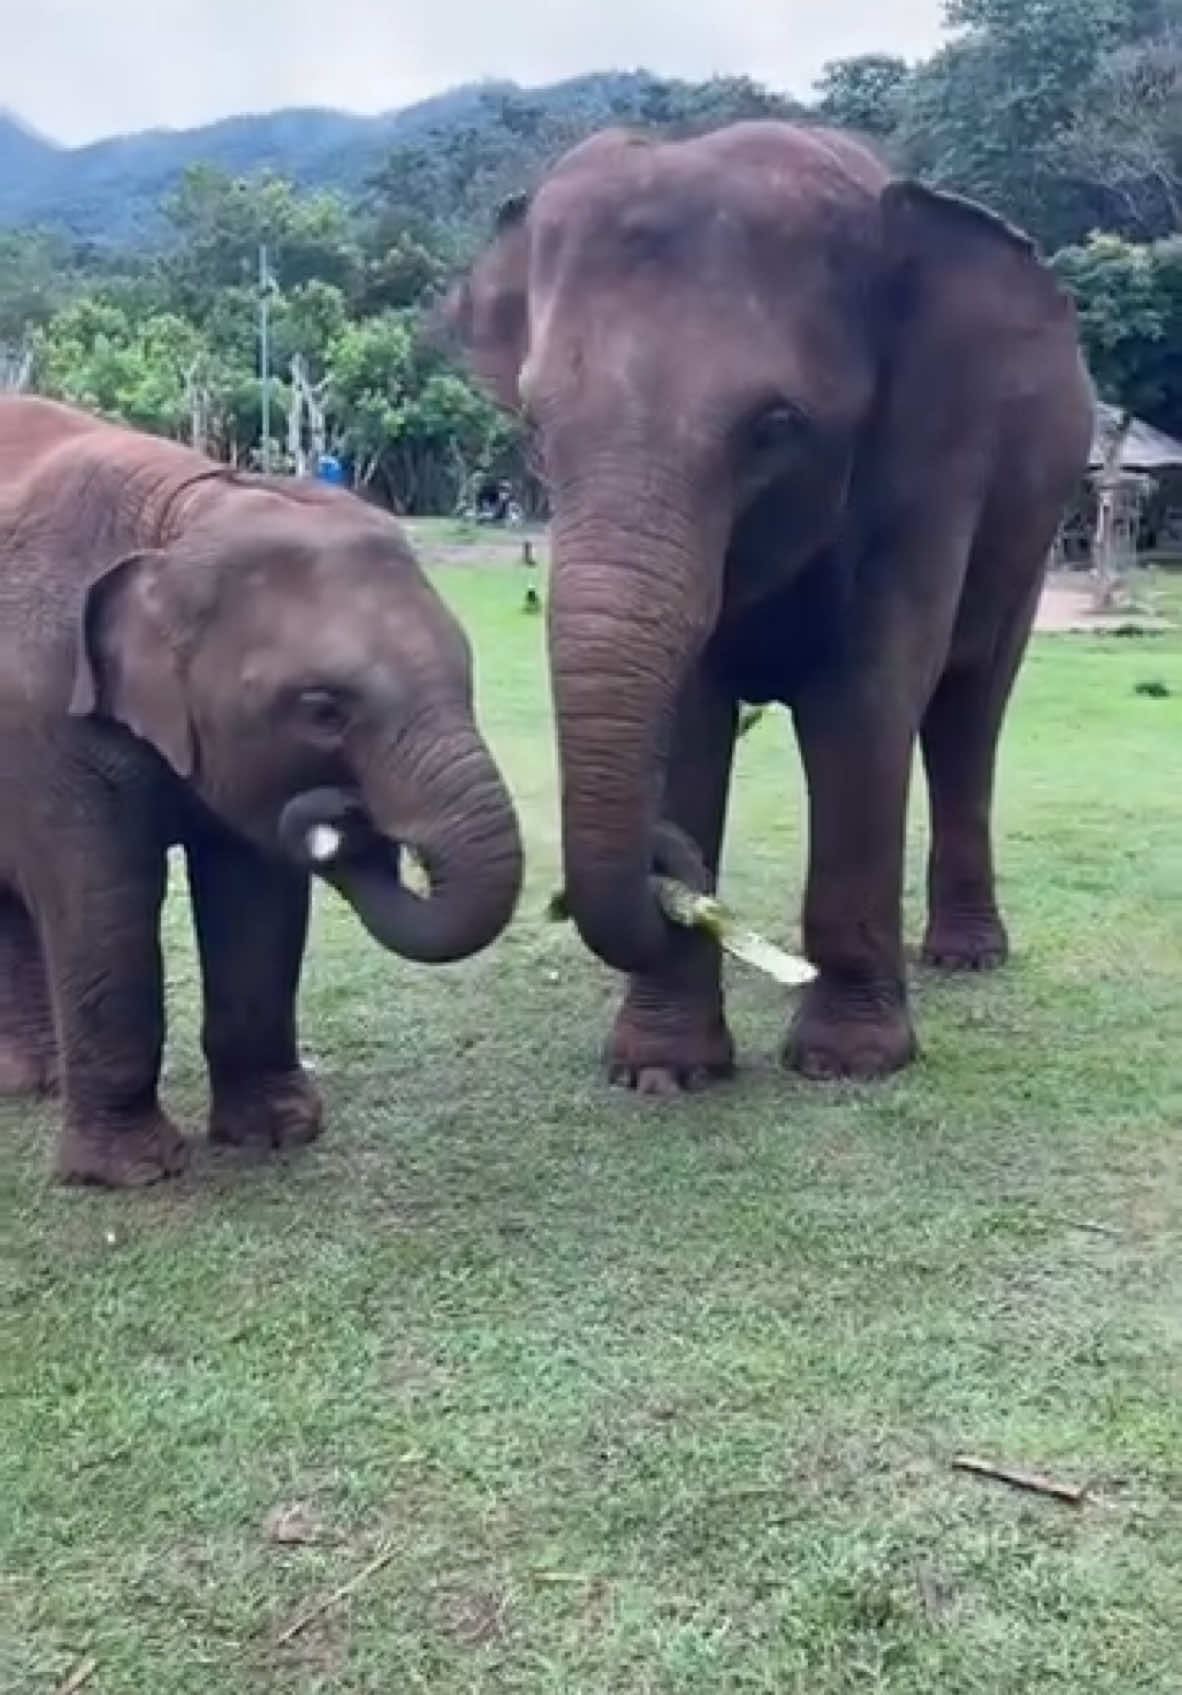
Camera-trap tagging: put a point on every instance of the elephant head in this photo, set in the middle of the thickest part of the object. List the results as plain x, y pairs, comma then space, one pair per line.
754, 334
288, 659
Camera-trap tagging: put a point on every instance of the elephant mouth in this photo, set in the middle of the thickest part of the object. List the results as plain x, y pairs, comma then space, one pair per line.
329, 832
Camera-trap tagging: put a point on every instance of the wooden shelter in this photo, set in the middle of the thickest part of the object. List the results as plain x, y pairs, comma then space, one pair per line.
1131, 500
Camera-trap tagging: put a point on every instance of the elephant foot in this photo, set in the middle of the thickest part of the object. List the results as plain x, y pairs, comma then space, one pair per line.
842, 1032
126, 1156
663, 1054
26, 1069
966, 942
283, 1111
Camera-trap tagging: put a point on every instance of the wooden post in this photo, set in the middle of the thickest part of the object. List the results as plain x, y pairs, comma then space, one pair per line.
197, 395
1105, 569
16, 367
306, 447
533, 600
295, 417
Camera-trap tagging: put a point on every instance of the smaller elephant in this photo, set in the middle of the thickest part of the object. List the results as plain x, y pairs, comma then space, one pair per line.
258, 671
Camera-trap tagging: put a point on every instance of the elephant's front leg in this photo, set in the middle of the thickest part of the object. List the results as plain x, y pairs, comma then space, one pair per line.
671, 1033
856, 742
251, 917
98, 908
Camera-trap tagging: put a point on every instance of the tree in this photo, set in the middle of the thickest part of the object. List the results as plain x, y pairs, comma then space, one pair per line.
36, 277
401, 418
1033, 108
402, 267
865, 94
1129, 300
1125, 141
308, 321
220, 221
91, 354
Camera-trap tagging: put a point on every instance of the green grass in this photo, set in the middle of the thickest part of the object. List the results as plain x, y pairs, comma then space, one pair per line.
642, 1399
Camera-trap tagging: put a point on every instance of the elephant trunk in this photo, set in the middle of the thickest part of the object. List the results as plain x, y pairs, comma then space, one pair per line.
631, 606
441, 796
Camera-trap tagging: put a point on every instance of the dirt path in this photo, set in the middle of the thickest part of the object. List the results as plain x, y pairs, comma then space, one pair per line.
1067, 605
1066, 601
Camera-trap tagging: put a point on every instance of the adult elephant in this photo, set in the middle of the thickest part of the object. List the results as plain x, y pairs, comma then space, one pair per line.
192, 656
808, 432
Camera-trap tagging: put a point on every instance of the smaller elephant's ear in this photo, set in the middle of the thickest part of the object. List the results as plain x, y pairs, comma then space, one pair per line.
511, 212
125, 665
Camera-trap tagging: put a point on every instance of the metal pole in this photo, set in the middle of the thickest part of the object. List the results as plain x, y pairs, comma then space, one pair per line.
265, 354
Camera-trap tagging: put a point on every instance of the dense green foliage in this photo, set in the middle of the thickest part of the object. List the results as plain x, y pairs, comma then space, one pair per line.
1130, 301
1064, 115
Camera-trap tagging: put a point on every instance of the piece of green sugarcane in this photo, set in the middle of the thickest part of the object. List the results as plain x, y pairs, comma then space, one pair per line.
685, 906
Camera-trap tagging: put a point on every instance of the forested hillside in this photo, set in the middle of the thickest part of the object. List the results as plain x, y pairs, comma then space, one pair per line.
1063, 115
112, 190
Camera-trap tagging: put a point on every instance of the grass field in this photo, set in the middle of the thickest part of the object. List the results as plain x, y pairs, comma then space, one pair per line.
635, 1399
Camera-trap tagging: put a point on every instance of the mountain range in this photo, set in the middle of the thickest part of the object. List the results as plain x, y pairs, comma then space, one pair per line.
110, 190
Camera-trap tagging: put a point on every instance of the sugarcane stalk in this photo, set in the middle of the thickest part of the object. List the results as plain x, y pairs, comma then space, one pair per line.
693, 911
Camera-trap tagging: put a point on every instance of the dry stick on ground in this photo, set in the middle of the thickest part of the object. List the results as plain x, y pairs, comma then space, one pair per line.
1031, 1481
304, 1619
1091, 1225
81, 1674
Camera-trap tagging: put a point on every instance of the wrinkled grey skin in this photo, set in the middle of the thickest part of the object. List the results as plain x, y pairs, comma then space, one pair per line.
192, 656
808, 433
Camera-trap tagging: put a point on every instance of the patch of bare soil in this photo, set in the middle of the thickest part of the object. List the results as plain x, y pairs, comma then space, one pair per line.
1066, 605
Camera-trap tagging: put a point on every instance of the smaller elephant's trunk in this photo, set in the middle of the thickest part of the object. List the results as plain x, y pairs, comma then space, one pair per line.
445, 801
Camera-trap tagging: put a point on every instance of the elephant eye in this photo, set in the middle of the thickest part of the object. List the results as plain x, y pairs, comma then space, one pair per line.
775, 428
323, 710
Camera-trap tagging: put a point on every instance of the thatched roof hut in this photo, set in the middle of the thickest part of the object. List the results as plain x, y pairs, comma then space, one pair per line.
1144, 450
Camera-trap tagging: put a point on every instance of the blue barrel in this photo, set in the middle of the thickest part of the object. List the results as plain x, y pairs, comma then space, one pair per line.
330, 469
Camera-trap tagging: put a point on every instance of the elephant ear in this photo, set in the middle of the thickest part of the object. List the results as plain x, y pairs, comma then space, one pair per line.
963, 305
488, 314
126, 666
916, 214
954, 266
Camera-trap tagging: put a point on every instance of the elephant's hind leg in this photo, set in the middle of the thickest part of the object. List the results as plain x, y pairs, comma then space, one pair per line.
28, 1049
959, 737
670, 1034
99, 917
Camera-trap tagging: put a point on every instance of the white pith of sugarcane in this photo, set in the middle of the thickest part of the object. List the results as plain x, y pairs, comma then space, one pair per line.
323, 842
705, 912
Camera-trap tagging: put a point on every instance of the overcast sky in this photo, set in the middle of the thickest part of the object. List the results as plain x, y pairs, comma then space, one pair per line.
77, 69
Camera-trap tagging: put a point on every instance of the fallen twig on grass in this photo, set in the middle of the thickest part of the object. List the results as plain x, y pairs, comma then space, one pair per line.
82, 1673
1092, 1227
319, 1608
1029, 1480
933, 1593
